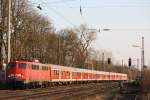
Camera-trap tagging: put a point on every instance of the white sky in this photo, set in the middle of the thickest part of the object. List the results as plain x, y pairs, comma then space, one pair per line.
128, 20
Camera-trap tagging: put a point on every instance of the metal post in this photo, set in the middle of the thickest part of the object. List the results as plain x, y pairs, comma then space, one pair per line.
137, 63
143, 59
103, 61
8, 32
122, 65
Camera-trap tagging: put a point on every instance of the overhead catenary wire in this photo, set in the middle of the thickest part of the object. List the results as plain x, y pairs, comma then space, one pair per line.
60, 1
109, 4
53, 8
61, 15
102, 6
54, 2
58, 14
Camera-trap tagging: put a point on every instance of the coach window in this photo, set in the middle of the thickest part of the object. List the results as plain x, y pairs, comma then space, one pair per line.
22, 65
32, 66
57, 72
68, 73
46, 68
35, 67
63, 73
73, 73
97, 76
53, 72
78, 74
43, 67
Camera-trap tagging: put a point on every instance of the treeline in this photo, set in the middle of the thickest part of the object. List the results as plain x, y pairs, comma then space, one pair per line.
33, 36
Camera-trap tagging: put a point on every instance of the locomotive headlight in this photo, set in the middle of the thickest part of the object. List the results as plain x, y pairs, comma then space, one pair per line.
15, 75
11, 75
18, 75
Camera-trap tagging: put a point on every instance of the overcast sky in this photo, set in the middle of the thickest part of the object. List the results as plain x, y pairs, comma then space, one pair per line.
128, 20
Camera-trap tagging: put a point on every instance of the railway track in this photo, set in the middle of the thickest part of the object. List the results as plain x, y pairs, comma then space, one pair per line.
56, 93
126, 97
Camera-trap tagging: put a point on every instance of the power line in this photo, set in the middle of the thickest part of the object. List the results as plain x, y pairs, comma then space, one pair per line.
59, 14
55, 2
56, 12
101, 6
130, 29
62, 1
145, 4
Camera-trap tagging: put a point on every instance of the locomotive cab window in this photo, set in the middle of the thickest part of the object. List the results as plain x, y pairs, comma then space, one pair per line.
22, 65
11, 65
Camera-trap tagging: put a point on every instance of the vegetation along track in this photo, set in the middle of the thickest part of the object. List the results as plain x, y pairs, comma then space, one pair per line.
56, 92
125, 97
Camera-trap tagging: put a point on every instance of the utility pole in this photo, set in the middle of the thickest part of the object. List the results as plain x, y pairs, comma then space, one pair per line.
142, 58
8, 32
137, 63
103, 61
122, 65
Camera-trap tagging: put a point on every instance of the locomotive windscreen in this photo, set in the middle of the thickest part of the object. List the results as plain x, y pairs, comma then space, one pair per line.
11, 65
22, 65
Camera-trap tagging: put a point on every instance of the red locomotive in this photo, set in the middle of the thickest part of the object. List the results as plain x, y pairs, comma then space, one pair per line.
34, 74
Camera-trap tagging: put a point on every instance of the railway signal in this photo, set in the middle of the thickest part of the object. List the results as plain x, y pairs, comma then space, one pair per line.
130, 62
109, 60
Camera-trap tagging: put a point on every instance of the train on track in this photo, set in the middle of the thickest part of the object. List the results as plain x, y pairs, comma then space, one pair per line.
34, 74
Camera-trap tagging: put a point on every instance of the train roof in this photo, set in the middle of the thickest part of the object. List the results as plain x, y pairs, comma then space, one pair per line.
75, 69
82, 70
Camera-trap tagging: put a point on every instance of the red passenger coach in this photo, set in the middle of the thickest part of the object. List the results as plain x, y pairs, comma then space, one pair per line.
76, 75
33, 74
55, 72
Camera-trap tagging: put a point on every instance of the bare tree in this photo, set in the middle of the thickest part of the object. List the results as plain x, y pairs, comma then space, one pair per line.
28, 28
74, 44
86, 36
